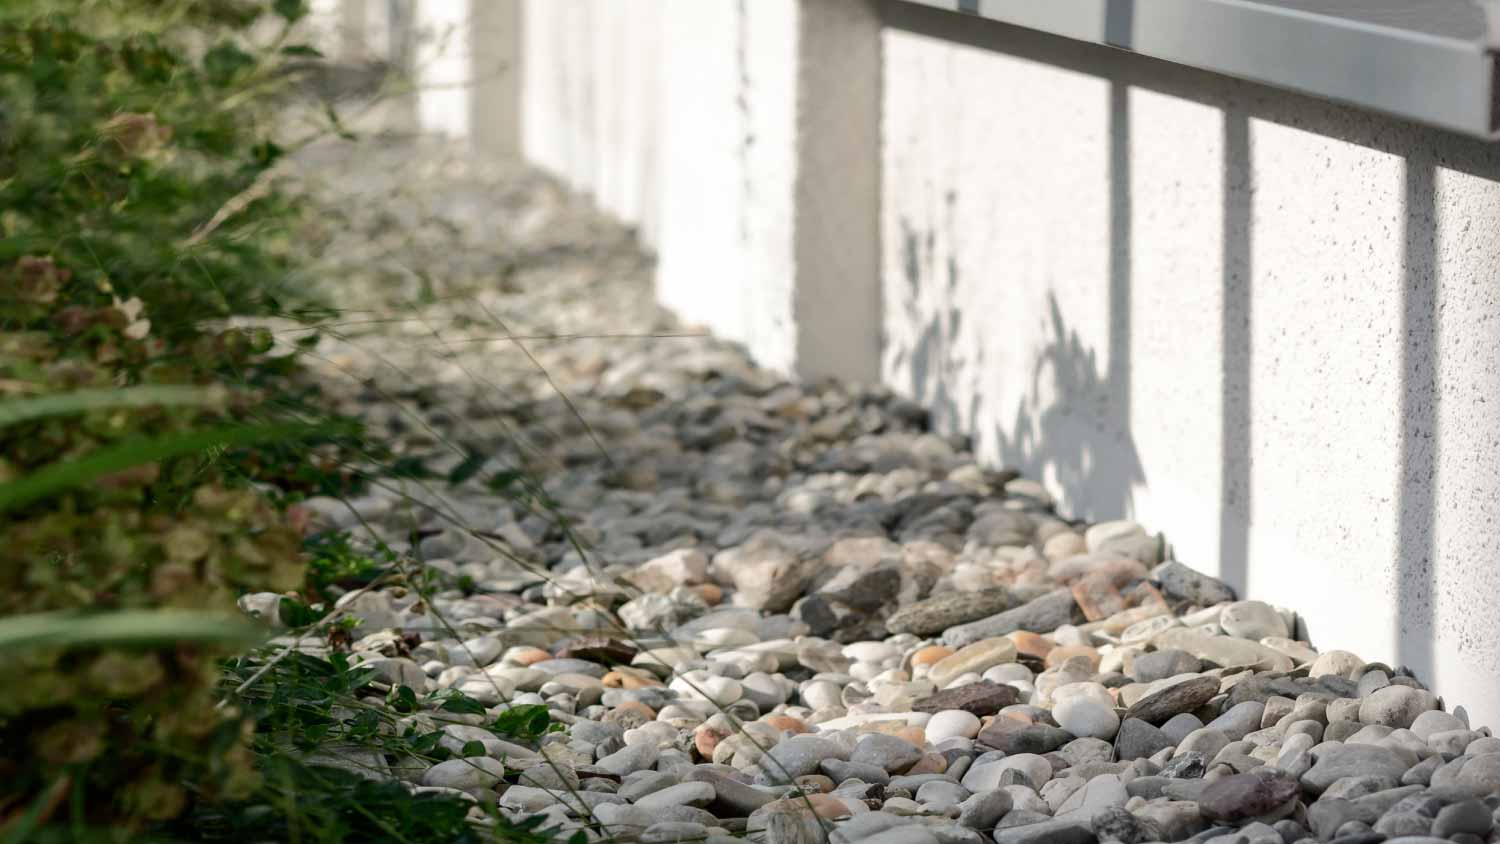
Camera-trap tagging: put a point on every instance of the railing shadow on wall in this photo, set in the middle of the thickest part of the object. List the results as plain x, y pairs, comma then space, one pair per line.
1032, 445
1416, 525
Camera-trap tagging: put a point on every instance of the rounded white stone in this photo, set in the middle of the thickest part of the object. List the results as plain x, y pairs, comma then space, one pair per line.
724, 637
873, 652
950, 723
698, 686
1084, 716
1008, 673
1089, 690
1254, 620
821, 694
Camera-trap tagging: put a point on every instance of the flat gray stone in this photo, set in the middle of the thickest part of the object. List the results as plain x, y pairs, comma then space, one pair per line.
938, 613
1175, 699
1040, 615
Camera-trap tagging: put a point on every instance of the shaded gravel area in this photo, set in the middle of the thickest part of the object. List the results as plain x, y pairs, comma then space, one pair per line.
789, 610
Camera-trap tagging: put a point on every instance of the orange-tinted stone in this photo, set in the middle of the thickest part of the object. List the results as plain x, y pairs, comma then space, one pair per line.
637, 706
707, 737
624, 678
710, 593
787, 723
827, 806
930, 655
529, 656
930, 763
915, 735
815, 783
1097, 596
1032, 644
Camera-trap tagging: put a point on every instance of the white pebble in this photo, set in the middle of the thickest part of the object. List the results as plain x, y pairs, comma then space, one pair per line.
1084, 716
950, 723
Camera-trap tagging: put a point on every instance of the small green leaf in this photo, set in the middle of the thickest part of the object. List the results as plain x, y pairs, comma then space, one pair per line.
402, 699
291, 10
473, 749
466, 469
453, 700
413, 468
525, 721
266, 153
501, 481
305, 50
296, 614
223, 63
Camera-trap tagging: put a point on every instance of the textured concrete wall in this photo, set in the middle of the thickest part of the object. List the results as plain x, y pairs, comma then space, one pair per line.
729, 131
589, 90
727, 140
495, 63
1266, 325
442, 65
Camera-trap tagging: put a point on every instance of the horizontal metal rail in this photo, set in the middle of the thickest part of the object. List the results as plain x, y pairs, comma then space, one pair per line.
1432, 61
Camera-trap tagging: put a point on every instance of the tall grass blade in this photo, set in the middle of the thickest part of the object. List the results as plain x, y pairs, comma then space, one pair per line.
57, 477
83, 401
123, 628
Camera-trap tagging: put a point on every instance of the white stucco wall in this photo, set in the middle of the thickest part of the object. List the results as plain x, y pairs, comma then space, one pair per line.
1065, 229
721, 128
1263, 324
676, 115
590, 86
443, 70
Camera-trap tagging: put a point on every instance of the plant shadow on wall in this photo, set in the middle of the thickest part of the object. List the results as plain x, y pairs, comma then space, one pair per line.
1071, 430
933, 362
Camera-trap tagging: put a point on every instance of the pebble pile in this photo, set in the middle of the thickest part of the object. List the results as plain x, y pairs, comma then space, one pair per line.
789, 611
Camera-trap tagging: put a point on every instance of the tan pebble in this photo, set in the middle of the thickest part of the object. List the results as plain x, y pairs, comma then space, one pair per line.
815, 783
930, 655
627, 678
706, 738
710, 593
826, 805
1061, 655
1032, 644
930, 763
787, 723
915, 735
1096, 594
885, 728
1063, 545
637, 706
528, 656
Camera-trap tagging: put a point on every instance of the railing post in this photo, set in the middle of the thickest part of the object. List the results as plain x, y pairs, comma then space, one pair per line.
495, 66
836, 196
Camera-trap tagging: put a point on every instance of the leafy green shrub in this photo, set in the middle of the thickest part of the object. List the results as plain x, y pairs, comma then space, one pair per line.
136, 214
138, 161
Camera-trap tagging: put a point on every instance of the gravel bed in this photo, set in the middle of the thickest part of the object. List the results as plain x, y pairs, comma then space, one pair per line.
789, 609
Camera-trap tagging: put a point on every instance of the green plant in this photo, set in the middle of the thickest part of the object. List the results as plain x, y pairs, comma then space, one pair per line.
137, 214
